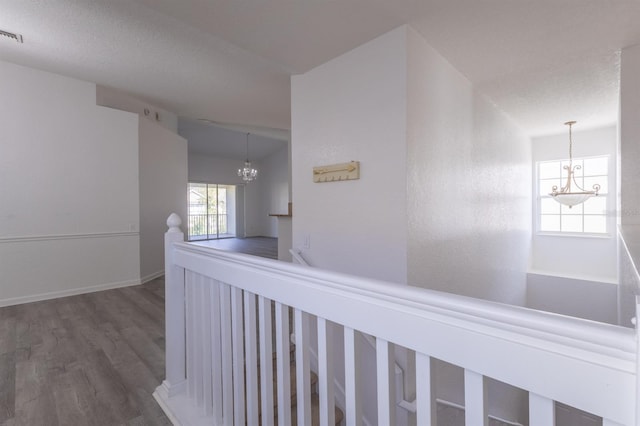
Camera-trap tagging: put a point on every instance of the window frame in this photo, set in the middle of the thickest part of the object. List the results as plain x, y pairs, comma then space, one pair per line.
538, 197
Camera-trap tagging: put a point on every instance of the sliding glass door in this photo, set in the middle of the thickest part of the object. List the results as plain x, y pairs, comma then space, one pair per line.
211, 211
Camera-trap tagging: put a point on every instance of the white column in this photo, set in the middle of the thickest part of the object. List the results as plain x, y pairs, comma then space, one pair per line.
303, 370
266, 358
385, 361
325, 373
190, 338
174, 311
352, 379
238, 357
251, 358
475, 399
226, 344
542, 410
283, 362
216, 349
425, 393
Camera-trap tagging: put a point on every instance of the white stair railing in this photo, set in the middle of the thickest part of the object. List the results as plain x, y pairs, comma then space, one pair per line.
583, 364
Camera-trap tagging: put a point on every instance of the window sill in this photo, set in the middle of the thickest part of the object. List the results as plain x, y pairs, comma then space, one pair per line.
574, 235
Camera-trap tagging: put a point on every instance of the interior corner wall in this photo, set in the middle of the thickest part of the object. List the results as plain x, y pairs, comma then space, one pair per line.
69, 216
112, 98
352, 108
591, 259
469, 202
469, 185
163, 190
630, 149
273, 178
630, 135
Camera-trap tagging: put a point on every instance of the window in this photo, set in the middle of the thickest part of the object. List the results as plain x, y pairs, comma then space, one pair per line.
589, 217
211, 209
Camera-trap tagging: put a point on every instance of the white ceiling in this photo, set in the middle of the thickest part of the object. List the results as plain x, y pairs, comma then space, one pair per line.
208, 139
542, 62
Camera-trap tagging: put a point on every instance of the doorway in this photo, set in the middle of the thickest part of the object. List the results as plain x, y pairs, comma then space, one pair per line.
212, 210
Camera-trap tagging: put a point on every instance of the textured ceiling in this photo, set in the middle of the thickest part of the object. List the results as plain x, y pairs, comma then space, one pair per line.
229, 61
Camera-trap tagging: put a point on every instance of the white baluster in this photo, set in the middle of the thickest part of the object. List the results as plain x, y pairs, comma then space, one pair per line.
325, 373
226, 344
266, 359
216, 349
303, 370
425, 391
542, 411
385, 360
475, 399
197, 334
238, 357
251, 358
283, 363
174, 311
191, 352
205, 327
352, 378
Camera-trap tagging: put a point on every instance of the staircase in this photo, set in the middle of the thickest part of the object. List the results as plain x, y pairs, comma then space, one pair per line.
219, 329
315, 402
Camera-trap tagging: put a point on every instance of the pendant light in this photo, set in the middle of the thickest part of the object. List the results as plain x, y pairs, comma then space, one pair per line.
567, 195
247, 173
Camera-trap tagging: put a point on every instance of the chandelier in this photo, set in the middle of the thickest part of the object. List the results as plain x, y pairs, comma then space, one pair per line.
566, 195
247, 173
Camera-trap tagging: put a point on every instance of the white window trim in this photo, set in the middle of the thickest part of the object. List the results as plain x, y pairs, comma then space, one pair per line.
537, 197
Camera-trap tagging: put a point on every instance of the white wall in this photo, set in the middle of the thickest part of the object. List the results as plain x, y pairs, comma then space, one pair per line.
593, 300
274, 184
630, 136
629, 147
585, 258
468, 204
112, 98
69, 214
468, 185
163, 190
444, 196
353, 108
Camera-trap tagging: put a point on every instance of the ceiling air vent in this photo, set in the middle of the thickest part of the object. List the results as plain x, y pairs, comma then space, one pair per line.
13, 36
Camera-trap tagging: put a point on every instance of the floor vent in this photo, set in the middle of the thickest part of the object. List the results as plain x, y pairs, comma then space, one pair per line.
13, 36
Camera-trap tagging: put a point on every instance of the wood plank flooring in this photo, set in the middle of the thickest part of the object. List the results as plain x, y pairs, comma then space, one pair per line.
93, 359
257, 246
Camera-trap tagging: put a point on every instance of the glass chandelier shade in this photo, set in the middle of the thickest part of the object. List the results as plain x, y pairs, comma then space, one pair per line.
247, 173
567, 195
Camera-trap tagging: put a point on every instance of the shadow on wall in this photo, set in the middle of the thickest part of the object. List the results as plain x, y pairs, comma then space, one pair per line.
488, 266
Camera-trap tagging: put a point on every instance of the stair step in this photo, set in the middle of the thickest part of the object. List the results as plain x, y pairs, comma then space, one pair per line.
315, 400
292, 385
315, 412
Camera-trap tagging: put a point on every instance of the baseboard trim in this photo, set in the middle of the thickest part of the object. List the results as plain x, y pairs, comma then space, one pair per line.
151, 277
65, 293
55, 237
180, 409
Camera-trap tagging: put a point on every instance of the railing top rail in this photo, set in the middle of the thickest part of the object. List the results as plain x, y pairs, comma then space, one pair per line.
584, 335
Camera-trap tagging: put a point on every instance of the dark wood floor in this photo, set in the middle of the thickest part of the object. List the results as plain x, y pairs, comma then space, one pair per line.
93, 359
257, 246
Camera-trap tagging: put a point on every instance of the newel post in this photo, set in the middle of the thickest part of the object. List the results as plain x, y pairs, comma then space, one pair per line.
174, 311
